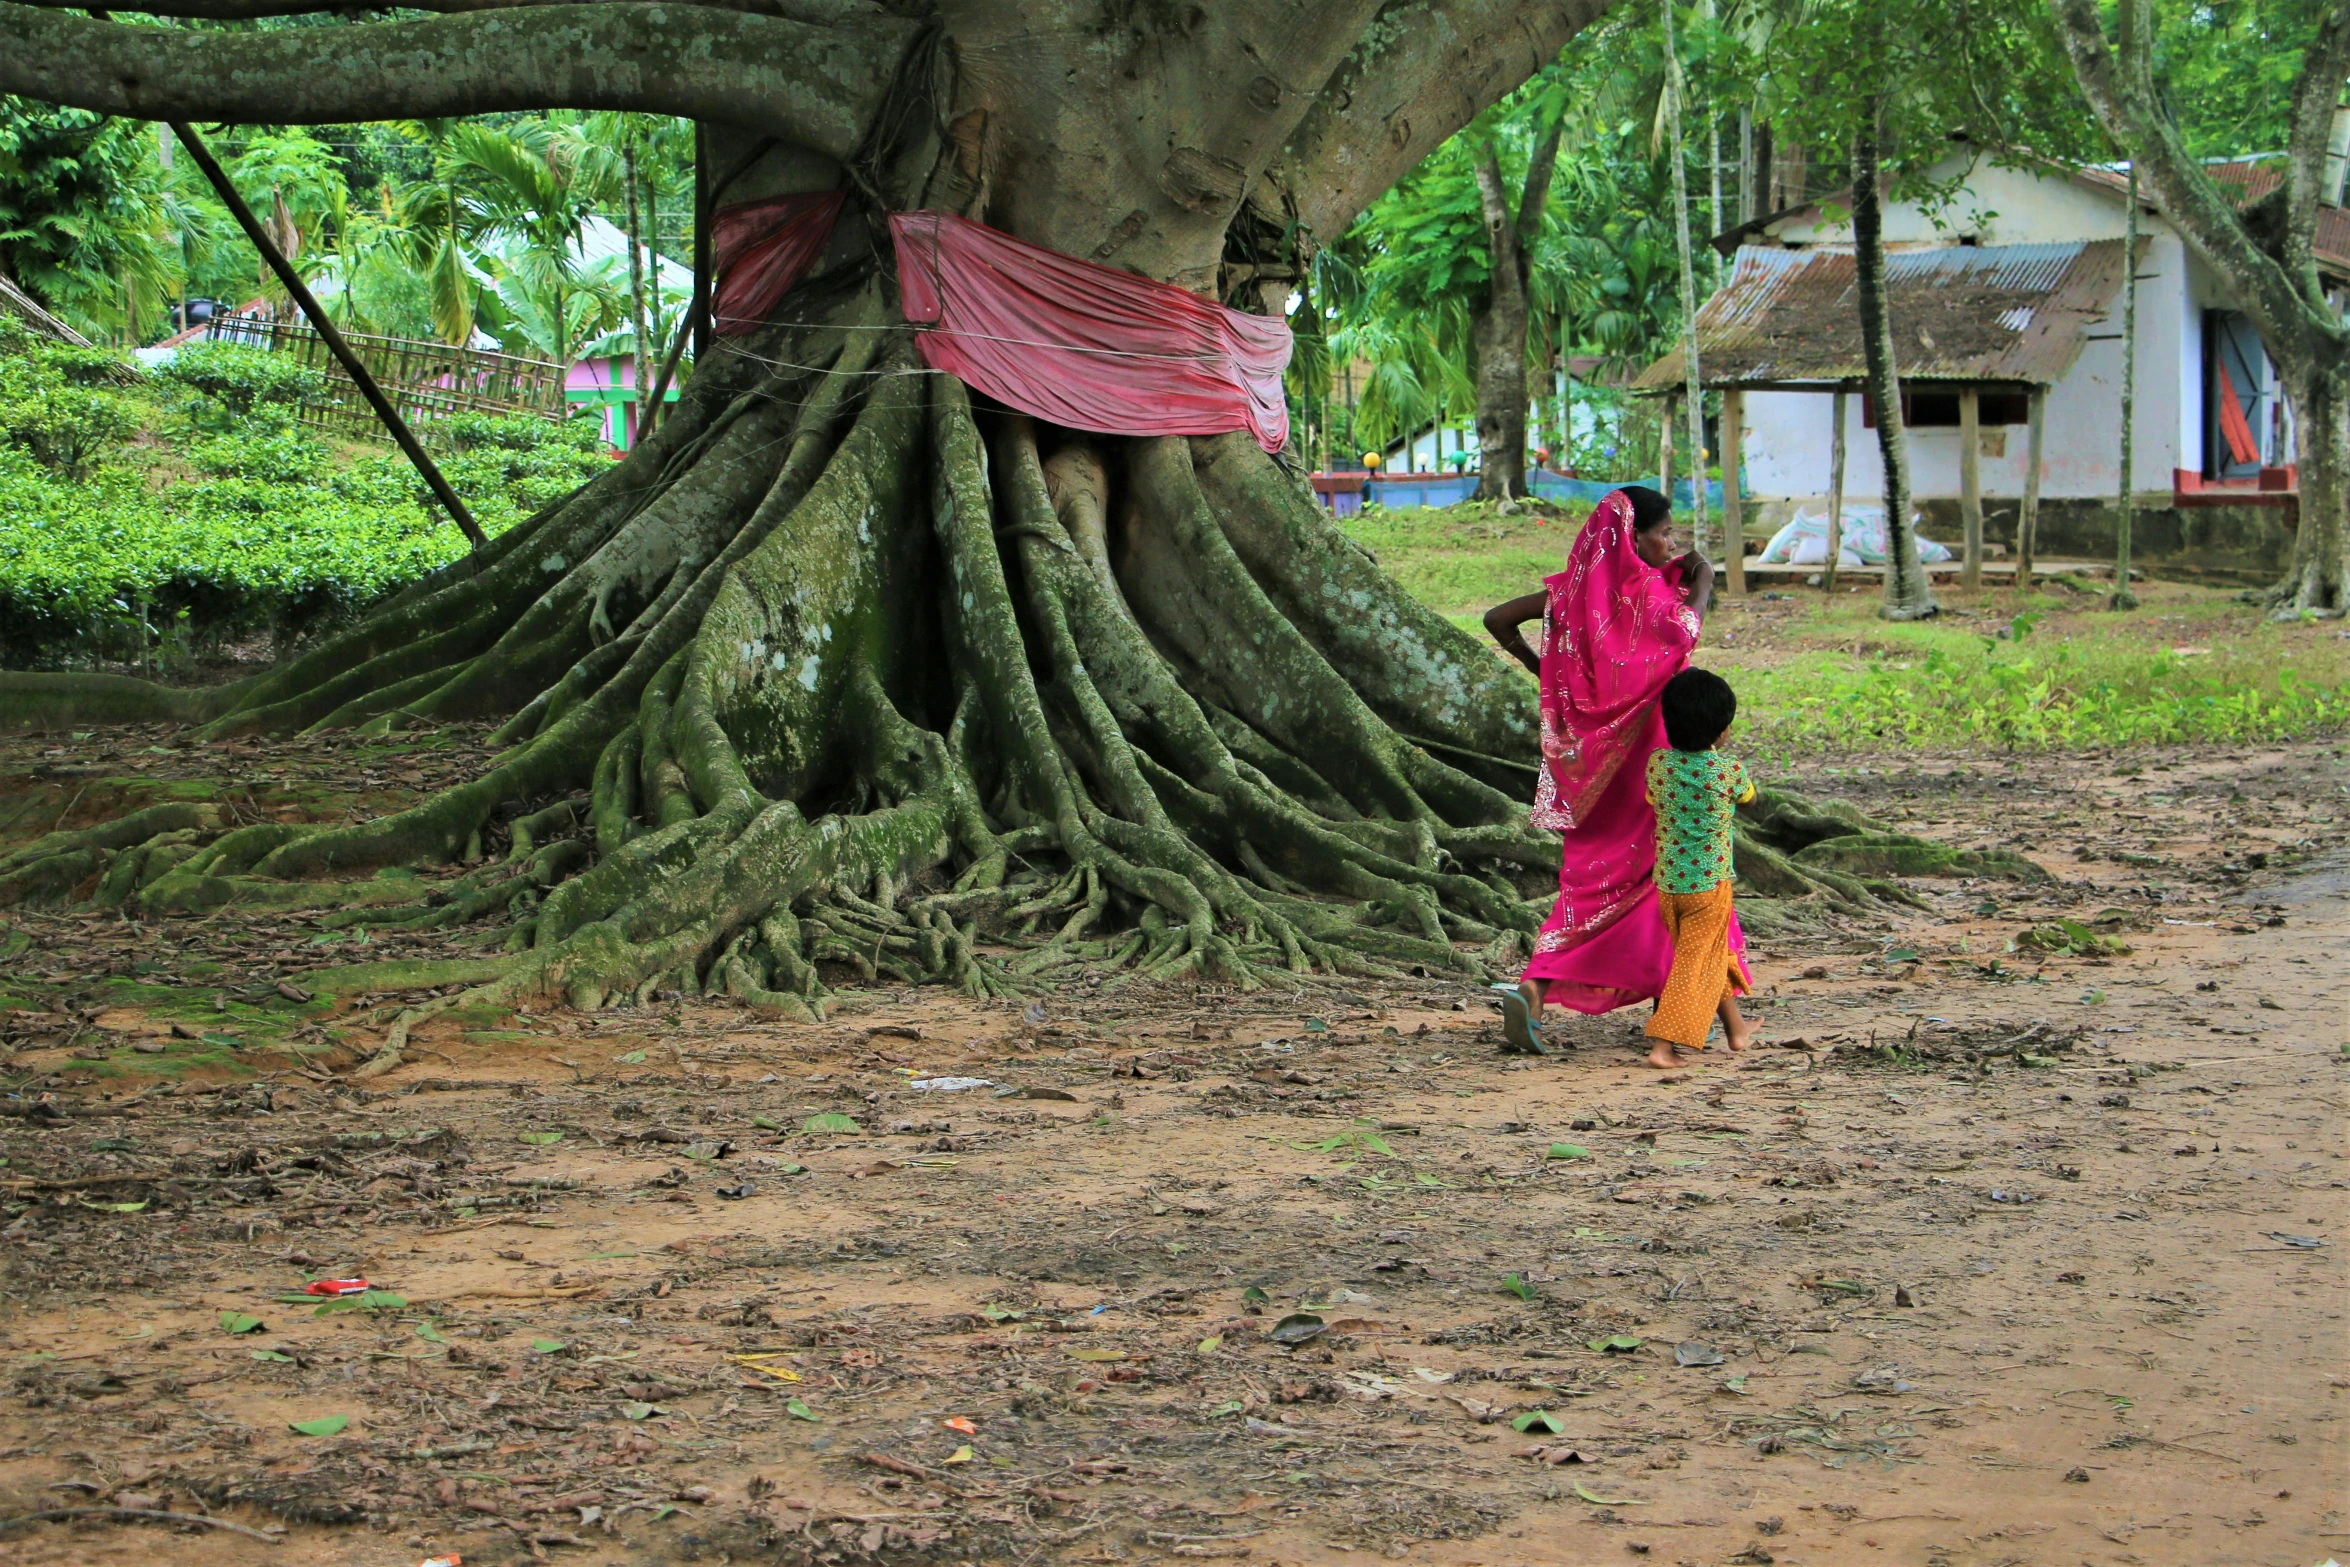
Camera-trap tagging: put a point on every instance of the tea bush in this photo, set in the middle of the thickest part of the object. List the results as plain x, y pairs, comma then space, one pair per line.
217, 524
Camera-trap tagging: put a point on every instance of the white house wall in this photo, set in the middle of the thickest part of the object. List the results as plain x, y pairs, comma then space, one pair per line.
1788, 432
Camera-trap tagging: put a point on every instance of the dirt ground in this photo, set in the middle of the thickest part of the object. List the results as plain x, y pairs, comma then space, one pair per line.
1993, 1255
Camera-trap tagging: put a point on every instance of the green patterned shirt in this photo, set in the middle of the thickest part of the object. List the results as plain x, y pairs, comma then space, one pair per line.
1695, 794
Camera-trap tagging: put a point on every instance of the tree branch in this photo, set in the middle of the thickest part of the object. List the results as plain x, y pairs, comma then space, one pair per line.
2121, 96
1423, 70
811, 85
1501, 234
2314, 98
1538, 176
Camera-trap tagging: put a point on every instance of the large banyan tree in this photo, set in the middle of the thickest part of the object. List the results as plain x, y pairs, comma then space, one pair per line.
843, 665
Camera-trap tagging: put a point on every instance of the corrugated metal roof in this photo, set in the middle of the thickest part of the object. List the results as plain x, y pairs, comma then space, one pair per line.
2010, 313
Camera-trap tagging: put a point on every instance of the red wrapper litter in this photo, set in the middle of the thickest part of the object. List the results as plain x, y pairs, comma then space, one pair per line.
338, 1287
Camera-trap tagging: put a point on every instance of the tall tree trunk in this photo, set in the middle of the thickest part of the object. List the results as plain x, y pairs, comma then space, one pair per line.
1908, 595
2320, 582
1500, 335
1499, 330
636, 290
1746, 180
2122, 597
1674, 88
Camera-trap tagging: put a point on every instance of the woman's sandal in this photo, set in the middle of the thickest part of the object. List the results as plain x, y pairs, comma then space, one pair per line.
1520, 1034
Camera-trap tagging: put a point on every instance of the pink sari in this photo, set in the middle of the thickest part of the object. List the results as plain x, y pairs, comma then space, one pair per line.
1615, 631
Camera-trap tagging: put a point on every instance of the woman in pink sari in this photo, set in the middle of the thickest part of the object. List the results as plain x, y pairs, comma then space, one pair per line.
1618, 623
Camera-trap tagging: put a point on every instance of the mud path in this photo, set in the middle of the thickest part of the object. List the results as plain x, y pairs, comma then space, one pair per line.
2004, 1263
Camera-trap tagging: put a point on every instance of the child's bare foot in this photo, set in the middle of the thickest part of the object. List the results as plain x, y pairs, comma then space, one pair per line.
1664, 1056
1739, 1032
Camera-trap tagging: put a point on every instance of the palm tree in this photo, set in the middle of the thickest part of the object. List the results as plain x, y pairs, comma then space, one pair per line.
527, 191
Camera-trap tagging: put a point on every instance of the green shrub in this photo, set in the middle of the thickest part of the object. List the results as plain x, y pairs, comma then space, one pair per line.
235, 379
271, 534
65, 428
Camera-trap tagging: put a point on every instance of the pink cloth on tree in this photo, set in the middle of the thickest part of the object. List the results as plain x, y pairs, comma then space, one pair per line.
759, 249
1086, 346
1615, 630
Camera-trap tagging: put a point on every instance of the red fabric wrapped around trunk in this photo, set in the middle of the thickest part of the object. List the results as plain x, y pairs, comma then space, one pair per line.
1085, 346
759, 249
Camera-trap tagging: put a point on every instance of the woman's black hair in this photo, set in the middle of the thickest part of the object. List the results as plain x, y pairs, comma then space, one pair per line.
1698, 706
1649, 508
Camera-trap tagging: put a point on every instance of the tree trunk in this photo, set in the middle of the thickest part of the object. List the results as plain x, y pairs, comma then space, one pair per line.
2319, 582
1500, 329
2122, 597
1500, 334
1908, 596
636, 293
836, 677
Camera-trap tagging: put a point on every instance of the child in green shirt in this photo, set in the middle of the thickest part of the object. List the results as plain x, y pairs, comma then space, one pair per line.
1697, 791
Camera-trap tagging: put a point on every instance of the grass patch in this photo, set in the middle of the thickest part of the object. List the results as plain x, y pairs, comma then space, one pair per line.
2008, 670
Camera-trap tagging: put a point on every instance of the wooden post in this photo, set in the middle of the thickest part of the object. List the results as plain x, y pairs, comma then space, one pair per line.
1970, 484
303, 300
1664, 449
1733, 503
2027, 527
1835, 495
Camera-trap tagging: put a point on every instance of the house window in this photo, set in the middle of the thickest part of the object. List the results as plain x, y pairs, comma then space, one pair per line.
2235, 396
1938, 410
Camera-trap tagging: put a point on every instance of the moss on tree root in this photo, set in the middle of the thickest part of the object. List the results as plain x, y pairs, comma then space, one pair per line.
836, 676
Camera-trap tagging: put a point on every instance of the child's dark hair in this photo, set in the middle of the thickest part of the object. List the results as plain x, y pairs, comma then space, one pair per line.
1698, 706
1649, 507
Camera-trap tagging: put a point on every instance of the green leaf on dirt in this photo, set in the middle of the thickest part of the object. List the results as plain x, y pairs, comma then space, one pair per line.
238, 1322
1229, 1407
831, 1121
1315, 1025
430, 1332
1736, 1384
1901, 955
1518, 1286
1615, 1344
1001, 1314
274, 1356
115, 1207
2073, 937
639, 1411
800, 1411
548, 1346
542, 1139
1103, 1356
631, 1058
1212, 1343
1539, 1420
1297, 1328
365, 1300
1254, 1296
324, 1425
766, 1124
1607, 1501
1568, 1151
